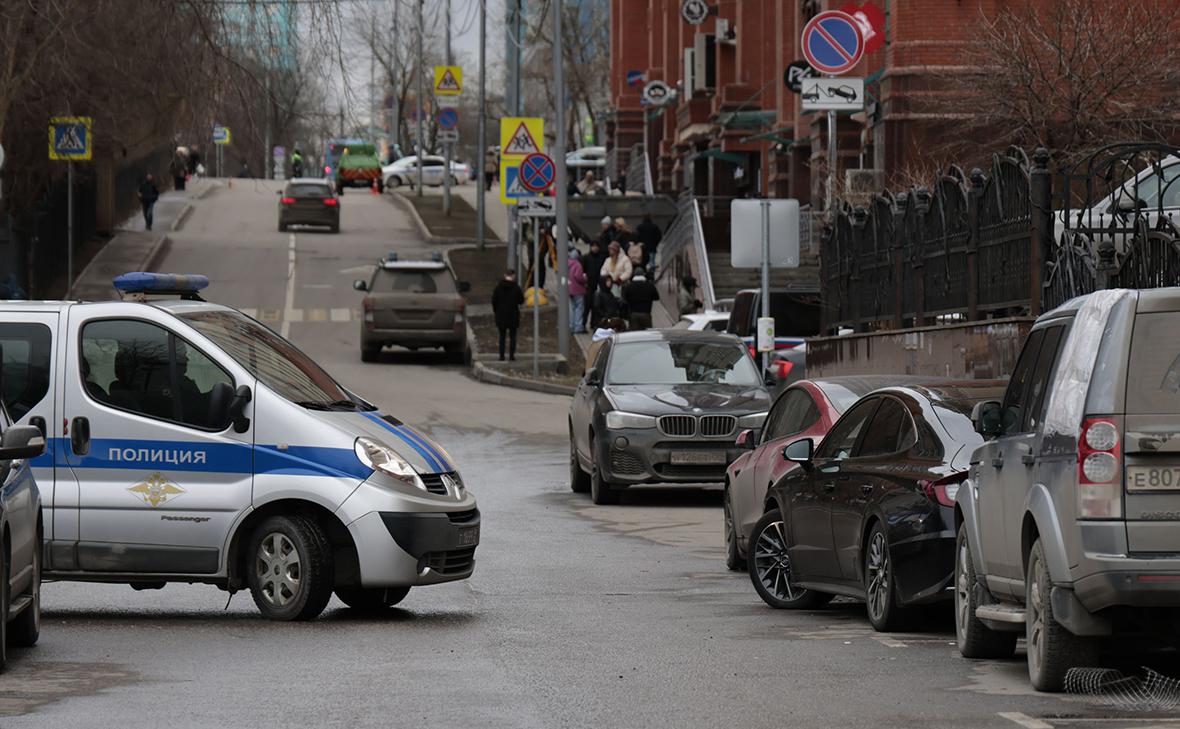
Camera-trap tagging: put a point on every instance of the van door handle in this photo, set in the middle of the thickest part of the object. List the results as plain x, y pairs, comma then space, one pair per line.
80, 435
1028, 459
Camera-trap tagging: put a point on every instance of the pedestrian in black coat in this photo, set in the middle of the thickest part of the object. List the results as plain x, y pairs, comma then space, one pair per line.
592, 265
148, 195
639, 294
606, 304
649, 235
507, 299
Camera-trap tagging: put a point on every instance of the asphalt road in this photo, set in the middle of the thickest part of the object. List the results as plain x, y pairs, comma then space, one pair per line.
576, 616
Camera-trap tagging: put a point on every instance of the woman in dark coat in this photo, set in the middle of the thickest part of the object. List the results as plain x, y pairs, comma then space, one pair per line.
507, 299
606, 304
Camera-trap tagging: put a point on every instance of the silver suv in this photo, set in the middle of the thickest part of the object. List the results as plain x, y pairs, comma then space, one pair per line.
1069, 522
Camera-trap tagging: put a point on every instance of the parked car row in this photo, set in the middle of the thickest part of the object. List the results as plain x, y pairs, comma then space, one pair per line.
1045, 506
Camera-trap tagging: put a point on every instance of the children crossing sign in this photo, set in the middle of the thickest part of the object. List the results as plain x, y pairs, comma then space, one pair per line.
69, 138
448, 80
520, 137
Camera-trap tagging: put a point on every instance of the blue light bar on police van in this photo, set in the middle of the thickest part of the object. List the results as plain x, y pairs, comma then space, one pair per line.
141, 282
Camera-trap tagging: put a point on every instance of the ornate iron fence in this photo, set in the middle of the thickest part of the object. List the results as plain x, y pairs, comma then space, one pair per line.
1016, 239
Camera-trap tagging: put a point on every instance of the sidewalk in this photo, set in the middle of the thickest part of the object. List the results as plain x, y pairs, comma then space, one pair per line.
495, 212
135, 249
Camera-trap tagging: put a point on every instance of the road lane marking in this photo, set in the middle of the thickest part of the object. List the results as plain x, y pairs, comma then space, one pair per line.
317, 315
289, 305
293, 315
269, 316
1023, 720
341, 314
889, 642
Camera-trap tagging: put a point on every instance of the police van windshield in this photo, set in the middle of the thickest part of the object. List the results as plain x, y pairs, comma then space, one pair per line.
276, 363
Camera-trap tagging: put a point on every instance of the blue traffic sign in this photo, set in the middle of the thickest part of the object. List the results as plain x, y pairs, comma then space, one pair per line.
448, 119
220, 135
537, 172
832, 42
69, 138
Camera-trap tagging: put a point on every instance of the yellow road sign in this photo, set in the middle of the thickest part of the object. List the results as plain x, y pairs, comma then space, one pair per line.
448, 80
69, 138
521, 136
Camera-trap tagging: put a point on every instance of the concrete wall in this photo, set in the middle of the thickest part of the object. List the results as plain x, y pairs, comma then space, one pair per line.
978, 350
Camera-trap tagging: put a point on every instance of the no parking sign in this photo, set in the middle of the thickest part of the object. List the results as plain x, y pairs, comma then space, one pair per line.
832, 42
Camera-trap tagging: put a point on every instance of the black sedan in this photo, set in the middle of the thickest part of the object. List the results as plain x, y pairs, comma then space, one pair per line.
309, 201
869, 512
662, 406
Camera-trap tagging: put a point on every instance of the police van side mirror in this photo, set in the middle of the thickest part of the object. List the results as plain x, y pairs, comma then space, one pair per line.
21, 441
237, 409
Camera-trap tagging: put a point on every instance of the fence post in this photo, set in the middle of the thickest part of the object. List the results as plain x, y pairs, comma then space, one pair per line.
857, 218
920, 199
974, 197
1041, 244
898, 232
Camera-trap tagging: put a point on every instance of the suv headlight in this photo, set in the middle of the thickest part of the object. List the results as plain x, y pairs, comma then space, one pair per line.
380, 457
753, 420
617, 419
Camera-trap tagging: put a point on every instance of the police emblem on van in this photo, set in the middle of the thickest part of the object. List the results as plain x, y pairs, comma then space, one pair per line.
156, 490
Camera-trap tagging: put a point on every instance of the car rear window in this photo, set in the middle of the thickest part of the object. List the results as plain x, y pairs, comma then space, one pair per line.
308, 190
414, 282
1153, 374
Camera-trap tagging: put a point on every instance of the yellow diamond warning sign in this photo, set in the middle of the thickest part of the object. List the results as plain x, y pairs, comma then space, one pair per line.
521, 136
448, 80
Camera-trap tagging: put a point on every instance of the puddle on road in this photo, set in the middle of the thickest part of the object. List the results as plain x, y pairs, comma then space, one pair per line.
27, 687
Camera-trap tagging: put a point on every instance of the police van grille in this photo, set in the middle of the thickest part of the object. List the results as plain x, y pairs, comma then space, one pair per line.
678, 426
716, 426
434, 482
451, 562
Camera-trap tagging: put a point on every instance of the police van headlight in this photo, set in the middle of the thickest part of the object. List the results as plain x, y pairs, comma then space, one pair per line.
380, 457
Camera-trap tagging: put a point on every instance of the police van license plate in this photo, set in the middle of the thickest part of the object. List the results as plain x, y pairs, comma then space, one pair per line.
1153, 478
698, 458
469, 537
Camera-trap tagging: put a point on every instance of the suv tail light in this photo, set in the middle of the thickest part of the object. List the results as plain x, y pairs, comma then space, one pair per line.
944, 489
288, 201
1100, 470
330, 202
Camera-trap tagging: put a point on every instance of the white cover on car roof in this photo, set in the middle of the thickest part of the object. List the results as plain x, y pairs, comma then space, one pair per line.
1067, 400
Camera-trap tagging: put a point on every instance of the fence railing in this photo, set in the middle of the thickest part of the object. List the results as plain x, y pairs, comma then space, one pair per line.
1005, 242
685, 235
639, 177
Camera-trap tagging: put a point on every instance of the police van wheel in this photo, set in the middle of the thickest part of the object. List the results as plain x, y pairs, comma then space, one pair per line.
290, 568
371, 599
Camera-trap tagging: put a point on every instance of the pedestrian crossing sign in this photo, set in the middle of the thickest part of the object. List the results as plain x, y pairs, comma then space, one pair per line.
511, 188
520, 137
448, 80
69, 138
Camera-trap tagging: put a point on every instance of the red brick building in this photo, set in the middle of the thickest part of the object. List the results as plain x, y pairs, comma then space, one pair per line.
736, 129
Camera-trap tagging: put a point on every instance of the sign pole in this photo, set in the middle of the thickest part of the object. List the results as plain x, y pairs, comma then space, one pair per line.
765, 205
421, 92
447, 145
563, 294
481, 159
69, 227
537, 263
831, 201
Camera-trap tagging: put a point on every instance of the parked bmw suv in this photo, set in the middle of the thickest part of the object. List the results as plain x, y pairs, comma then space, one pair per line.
1069, 522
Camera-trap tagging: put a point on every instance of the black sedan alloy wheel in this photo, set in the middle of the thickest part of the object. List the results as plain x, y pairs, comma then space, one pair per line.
769, 565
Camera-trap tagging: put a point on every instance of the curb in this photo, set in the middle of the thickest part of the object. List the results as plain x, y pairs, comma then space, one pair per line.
486, 374
429, 237
157, 253
186, 211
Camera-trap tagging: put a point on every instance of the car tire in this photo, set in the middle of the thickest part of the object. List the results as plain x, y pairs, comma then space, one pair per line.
335, 227
975, 640
1052, 650
282, 227
370, 354
579, 479
26, 627
454, 181
601, 492
393, 182
885, 615
371, 599
733, 556
289, 568
769, 565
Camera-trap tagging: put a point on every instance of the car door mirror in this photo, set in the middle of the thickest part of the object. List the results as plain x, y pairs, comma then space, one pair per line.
1129, 204
360, 285
799, 451
986, 417
21, 441
464, 286
747, 439
592, 377
237, 409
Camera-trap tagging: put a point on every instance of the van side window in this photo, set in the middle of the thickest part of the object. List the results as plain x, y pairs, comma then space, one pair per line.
1041, 378
25, 382
1015, 398
144, 369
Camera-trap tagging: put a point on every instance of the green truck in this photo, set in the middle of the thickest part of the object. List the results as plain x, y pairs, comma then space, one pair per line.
358, 167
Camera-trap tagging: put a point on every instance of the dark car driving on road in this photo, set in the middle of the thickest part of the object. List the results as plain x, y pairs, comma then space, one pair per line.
869, 513
662, 406
308, 201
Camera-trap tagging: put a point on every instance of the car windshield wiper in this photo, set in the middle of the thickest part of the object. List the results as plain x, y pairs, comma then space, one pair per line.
335, 405
314, 404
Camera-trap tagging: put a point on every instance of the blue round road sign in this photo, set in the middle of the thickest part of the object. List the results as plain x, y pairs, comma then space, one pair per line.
537, 172
448, 119
832, 42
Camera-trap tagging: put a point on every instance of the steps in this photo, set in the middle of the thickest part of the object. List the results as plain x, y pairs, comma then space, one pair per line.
728, 280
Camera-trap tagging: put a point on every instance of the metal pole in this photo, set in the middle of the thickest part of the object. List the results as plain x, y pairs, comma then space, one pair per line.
397, 76
69, 227
536, 297
831, 201
421, 93
266, 153
563, 294
447, 145
765, 205
515, 107
482, 149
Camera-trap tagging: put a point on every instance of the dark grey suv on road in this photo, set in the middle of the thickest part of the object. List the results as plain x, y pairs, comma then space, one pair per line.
662, 406
1069, 522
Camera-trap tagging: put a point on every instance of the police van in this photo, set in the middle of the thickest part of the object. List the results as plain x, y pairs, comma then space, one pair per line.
187, 442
